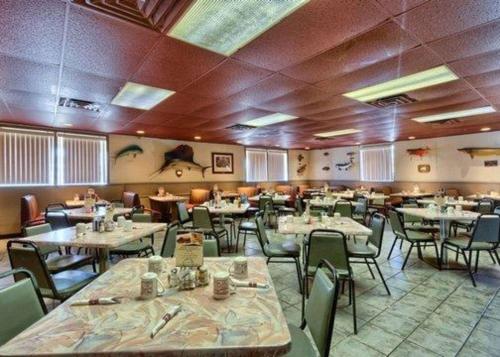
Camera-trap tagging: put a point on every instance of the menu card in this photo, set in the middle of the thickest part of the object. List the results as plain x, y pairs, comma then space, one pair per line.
189, 250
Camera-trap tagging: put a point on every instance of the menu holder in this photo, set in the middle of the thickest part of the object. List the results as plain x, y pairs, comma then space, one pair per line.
189, 250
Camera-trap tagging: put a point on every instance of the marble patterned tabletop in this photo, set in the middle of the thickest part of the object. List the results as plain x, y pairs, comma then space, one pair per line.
229, 208
81, 203
412, 194
329, 202
280, 199
83, 214
433, 215
346, 225
448, 203
248, 323
167, 198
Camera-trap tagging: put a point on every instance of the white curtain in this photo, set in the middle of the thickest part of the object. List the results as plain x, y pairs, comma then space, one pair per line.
256, 165
26, 157
81, 159
277, 165
377, 163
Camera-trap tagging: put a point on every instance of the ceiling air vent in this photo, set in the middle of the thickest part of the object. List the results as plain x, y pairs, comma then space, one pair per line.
392, 101
240, 127
79, 104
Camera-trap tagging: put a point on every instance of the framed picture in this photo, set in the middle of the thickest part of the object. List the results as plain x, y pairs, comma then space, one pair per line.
222, 163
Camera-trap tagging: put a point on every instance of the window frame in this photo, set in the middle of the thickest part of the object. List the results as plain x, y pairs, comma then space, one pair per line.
267, 150
374, 147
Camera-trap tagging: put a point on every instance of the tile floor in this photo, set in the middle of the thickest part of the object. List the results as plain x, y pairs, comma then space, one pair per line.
430, 312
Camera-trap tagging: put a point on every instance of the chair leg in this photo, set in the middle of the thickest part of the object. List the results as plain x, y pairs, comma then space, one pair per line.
496, 255
238, 241
407, 256
353, 297
299, 274
467, 262
401, 245
369, 268
244, 240
419, 250
392, 247
381, 276
477, 261
492, 257
438, 258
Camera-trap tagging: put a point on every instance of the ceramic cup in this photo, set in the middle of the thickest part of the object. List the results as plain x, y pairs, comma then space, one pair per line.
151, 286
458, 208
120, 220
460, 198
239, 268
223, 286
127, 225
80, 229
450, 210
155, 264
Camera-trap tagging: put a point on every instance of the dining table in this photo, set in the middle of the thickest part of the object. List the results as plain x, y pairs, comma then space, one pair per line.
495, 196
411, 194
449, 202
81, 203
166, 205
326, 202
445, 217
226, 208
82, 214
250, 322
277, 199
102, 241
304, 225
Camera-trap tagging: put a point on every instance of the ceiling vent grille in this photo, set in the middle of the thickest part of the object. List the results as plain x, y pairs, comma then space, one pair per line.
392, 101
240, 127
79, 104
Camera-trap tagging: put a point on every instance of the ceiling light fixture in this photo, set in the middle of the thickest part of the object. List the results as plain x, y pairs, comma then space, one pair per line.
140, 132
485, 129
427, 78
226, 26
197, 138
140, 96
411, 138
338, 133
270, 119
68, 124
454, 115
307, 148
358, 143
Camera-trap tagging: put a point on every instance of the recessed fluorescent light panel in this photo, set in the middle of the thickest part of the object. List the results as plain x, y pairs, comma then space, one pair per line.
329, 134
270, 119
140, 96
430, 77
455, 115
225, 26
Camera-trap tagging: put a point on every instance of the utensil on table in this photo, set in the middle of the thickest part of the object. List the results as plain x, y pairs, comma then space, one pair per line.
170, 314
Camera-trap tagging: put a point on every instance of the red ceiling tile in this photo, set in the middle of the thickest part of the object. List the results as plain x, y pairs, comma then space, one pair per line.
485, 79
228, 78
186, 122
477, 64
449, 108
183, 103
271, 87
220, 109
174, 64
491, 91
439, 18
119, 114
340, 112
315, 27
105, 46
32, 29
245, 115
294, 99
397, 7
383, 42
333, 102
155, 118
440, 90
482, 39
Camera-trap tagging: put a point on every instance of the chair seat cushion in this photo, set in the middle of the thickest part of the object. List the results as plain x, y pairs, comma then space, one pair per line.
69, 282
361, 250
301, 344
188, 224
248, 226
67, 261
421, 228
134, 247
287, 249
462, 241
418, 236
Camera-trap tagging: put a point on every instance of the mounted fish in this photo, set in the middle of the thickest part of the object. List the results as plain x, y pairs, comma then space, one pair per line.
326, 168
301, 169
480, 151
345, 166
180, 157
300, 157
420, 152
133, 150
326, 153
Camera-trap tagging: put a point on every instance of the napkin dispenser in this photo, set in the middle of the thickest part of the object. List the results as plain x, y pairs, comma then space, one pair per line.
189, 250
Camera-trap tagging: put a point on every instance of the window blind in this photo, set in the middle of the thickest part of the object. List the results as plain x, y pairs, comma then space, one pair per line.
377, 163
277, 165
256, 165
26, 157
81, 159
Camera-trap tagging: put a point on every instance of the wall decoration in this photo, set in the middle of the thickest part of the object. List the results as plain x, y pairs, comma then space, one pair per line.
222, 163
326, 168
344, 166
300, 157
424, 169
178, 173
181, 156
326, 153
133, 150
490, 163
420, 152
480, 151
301, 169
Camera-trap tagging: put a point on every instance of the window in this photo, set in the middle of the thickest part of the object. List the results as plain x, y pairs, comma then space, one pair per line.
377, 163
81, 159
26, 157
266, 165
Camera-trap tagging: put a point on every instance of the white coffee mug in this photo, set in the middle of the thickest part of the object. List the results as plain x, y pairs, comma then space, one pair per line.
120, 220
151, 286
155, 264
223, 286
80, 229
460, 198
239, 268
450, 210
127, 225
336, 215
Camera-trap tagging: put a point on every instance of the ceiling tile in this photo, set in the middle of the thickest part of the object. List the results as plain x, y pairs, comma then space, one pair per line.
220, 109
183, 103
482, 39
314, 28
186, 122
340, 112
226, 79
385, 41
33, 101
105, 46
485, 79
32, 29
245, 115
397, 7
332, 102
440, 18
297, 98
173, 64
155, 118
119, 114
491, 91
477, 64
29, 117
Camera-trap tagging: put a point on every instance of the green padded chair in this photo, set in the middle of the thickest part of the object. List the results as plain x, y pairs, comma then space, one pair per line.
58, 262
344, 208
369, 252
204, 224
21, 304
184, 218
415, 223
137, 247
484, 206
59, 286
245, 227
287, 252
319, 315
266, 205
415, 238
144, 218
485, 236
330, 245
360, 210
